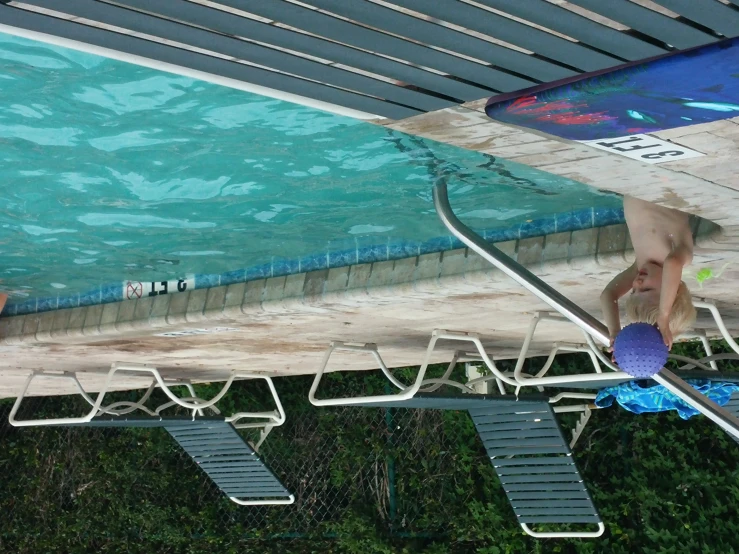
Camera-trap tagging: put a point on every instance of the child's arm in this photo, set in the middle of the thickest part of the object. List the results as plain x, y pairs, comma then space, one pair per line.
3, 299
620, 285
672, 273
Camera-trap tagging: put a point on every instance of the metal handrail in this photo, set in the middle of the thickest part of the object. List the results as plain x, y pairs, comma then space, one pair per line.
589, 324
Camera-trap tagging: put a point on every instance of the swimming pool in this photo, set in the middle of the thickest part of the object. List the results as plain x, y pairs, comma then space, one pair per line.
114, 172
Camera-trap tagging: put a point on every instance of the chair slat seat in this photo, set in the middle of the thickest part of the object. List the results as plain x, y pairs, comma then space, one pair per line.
217, 449
528, 452
732, 406
549, 469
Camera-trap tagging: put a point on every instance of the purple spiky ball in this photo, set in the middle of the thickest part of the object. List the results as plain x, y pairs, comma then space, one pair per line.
640, 350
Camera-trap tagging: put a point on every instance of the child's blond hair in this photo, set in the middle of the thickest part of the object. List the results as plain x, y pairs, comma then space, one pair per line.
682, 314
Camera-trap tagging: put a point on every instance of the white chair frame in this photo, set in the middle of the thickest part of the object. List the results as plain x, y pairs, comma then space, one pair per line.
406, 391
701, 303
519, 379
266, 421
429, 385
556, 348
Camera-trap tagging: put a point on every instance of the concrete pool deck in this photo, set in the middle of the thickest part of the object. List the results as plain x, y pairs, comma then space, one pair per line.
282, 325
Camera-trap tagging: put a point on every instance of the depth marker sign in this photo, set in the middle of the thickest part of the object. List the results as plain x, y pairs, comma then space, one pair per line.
137, 289
644, 148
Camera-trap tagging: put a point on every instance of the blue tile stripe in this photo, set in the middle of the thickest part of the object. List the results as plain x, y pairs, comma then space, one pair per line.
559, 223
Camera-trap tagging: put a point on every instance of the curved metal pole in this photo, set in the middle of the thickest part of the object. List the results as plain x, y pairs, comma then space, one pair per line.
515, 270
570, 310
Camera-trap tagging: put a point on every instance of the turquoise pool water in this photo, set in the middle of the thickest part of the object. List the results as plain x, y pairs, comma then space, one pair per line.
112, 172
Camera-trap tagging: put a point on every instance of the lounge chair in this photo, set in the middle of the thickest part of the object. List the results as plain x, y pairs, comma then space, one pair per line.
521, 436
530, 455
217, 449
212, 442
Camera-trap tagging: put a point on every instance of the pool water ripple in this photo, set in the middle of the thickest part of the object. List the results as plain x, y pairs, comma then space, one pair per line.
111, 171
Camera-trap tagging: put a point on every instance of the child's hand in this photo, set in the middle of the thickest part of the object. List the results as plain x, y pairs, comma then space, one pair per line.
610, 350
663, 325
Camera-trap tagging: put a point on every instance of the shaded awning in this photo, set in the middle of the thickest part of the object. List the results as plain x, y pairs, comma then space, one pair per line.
395, 58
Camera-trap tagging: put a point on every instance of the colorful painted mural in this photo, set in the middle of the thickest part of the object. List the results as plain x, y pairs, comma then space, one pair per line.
685, 88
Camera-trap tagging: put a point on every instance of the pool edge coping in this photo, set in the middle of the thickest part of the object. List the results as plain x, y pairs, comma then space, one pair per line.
322, 290
585, 218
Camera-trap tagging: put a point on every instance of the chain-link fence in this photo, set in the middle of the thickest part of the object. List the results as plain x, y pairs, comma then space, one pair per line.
403, 473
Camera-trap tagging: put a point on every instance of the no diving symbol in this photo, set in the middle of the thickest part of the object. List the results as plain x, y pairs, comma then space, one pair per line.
134, 290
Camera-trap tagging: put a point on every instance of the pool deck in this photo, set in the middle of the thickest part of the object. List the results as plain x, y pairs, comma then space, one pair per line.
282, 325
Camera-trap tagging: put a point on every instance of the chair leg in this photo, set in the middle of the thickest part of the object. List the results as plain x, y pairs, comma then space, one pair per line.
263, 434
711, 307
556, 348
274, 418
405, 391
580, 426
95, 404
193, 404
